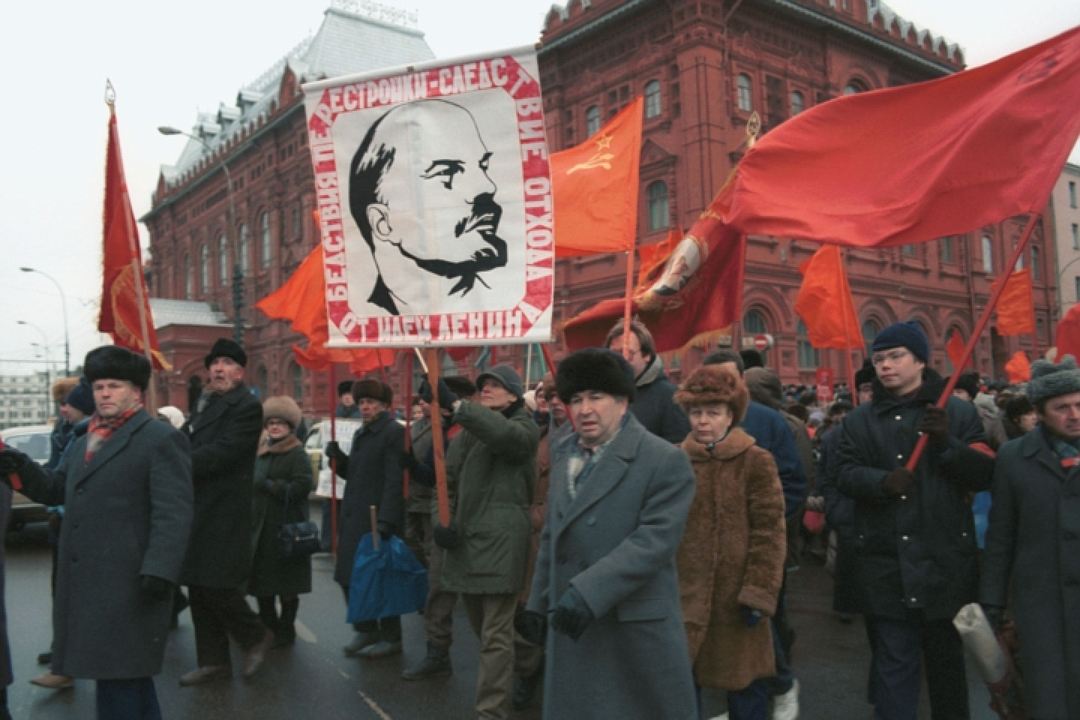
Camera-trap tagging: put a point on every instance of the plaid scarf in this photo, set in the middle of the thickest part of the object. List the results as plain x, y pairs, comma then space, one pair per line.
101, 429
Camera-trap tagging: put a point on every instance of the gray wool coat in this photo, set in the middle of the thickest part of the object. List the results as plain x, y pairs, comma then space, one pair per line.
1034, 540
615, 543
127, 513
224, 437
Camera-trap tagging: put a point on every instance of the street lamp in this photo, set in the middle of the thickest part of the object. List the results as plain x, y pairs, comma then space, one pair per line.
45, 352
63, 307
238, 273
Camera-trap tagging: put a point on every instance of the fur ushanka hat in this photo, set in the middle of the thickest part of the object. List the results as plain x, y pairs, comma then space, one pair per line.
111, 362
595, 369
284, 408
714, 384
62, 386
374, 390
1049, 380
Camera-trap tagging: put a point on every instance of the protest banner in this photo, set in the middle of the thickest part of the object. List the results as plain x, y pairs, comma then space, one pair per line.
434, 192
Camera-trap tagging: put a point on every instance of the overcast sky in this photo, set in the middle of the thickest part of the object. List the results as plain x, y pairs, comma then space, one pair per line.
169, 61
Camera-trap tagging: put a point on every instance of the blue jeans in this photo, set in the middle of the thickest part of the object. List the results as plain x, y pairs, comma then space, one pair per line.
133, 699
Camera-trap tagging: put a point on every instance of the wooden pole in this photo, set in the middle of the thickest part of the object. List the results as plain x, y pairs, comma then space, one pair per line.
408, 423
628, 301
441, 494
980, 327
333, 462
374, 514
548, 360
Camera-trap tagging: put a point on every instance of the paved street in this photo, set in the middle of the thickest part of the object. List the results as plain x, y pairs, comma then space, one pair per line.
315, 680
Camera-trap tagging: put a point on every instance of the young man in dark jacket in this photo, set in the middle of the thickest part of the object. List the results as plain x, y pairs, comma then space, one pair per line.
915, 563
653, 406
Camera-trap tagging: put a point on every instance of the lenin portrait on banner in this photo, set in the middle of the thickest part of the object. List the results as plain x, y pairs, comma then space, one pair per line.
423, 192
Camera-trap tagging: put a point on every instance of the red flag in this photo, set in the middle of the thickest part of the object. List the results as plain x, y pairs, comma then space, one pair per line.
825, 304
1016, 308
954, 348
917, 162
595, 188
697, 293
1067, 335
302, 301
124, 292
1018, 369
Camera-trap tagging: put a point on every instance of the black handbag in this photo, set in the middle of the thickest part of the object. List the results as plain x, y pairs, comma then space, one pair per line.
298, 539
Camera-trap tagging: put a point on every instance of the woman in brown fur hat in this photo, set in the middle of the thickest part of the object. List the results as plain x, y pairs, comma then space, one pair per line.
732, 556
282, 484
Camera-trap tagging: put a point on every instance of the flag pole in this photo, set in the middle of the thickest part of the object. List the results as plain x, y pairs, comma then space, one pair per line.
848, 369
997, 291
628, 300
408, 423
548, 360
333, 462
528, 363
441, 494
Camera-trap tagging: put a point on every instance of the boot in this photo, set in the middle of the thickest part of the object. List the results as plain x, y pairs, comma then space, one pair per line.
285, 632
435, 664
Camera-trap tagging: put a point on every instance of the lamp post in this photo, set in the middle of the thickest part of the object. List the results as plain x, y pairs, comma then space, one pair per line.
45, 353
63, 307
238, 273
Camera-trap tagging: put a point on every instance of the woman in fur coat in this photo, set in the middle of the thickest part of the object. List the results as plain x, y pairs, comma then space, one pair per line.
731, 558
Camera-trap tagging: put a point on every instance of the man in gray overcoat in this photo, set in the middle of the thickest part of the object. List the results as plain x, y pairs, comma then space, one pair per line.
224, 429
1034, 542
605, 572
126, 488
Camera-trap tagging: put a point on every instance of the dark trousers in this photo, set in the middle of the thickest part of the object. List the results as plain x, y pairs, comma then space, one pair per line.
900, 647
750, 703
388, 628
133, 699
784, 679
218, 614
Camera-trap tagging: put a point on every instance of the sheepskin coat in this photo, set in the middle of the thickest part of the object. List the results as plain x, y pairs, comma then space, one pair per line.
731, 555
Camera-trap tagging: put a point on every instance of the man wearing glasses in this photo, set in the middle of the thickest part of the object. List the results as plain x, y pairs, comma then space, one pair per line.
914, 531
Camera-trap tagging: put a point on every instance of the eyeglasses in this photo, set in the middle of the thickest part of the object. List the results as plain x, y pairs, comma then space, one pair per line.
889, 356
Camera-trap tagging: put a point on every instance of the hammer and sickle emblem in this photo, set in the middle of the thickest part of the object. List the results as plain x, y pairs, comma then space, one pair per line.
599, 160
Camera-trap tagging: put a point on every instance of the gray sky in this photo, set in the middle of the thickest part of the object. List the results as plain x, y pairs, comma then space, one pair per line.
168, 61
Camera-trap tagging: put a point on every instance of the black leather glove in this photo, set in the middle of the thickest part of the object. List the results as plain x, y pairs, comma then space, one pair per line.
572, 614
995, 615
333, 450
898, 482
935, 425
531, 625
12, 461
750, 616
446, 537
409, 461
155, 589
385, 529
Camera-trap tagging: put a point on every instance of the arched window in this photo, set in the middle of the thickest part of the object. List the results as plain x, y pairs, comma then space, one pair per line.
949, 367
652, 99
592, 120
244, 249
223, 260
988, 254
753, 322
204, 267
296, 381
1036, 271
189, 278
870, 330
657, 194
264, 240
798, 102
854, 87
1019, 262
745, 89
808, 356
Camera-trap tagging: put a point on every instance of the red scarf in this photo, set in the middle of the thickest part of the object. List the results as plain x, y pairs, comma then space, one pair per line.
101, 429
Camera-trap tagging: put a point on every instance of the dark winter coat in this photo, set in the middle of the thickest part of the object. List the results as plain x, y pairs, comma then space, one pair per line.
128, 513
916, 551
654, 407
772, 433
282, 484
615, 543
224, 436
1034, 542
840, 516
490, 471
731, 556
373, 477
421, 497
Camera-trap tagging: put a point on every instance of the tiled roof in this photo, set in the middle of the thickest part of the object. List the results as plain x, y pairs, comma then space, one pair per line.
185, 312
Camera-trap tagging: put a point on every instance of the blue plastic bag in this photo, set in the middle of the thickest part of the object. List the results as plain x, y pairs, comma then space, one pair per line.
385, 582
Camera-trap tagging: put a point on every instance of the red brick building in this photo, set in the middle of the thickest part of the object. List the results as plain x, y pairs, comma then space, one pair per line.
703, 66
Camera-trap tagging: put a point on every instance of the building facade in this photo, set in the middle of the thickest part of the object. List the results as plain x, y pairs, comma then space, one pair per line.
25, 399
1065, 212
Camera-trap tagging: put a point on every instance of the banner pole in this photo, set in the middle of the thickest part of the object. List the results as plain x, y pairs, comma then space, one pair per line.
408, 423
333, 462
628, 300
850, 372
441, 494
548, 360
980, 327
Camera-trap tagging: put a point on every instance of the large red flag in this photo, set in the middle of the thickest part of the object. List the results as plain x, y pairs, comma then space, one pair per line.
695, 295
595, 188
1016, 307
124, 290
825, 304
918, 162
1067, 335
302, 301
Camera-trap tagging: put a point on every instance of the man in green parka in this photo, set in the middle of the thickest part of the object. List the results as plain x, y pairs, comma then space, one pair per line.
491, 469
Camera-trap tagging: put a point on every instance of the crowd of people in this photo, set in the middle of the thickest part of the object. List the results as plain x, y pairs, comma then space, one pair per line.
611, 535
